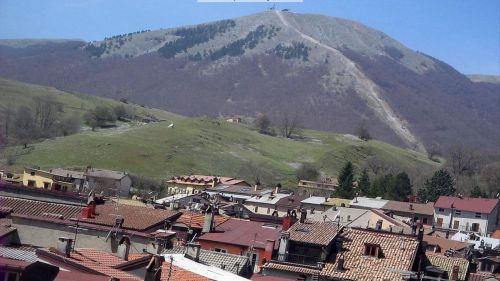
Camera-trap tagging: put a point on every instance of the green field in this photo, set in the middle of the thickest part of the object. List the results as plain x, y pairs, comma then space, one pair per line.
198, 146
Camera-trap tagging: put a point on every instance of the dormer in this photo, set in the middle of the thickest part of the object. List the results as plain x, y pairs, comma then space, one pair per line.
372, 250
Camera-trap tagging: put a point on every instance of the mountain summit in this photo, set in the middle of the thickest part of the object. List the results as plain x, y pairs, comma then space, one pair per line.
333, 73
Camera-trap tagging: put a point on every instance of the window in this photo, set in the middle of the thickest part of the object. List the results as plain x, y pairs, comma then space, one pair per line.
31, 183
475, 227
439, 222
425, 221
32, 173
478, 215
220, 250
46, 185
372, 250
458, 212
456, 224
441, 210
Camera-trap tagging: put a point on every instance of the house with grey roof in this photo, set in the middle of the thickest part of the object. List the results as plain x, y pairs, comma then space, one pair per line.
110, 183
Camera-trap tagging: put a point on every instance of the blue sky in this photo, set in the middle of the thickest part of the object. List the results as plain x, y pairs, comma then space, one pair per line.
465, 33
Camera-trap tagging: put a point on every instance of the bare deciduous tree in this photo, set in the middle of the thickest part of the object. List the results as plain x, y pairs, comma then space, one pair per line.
289, 124
46, 112
362, 131
464, 160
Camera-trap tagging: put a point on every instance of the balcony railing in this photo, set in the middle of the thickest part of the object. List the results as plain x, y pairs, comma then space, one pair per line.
301, 259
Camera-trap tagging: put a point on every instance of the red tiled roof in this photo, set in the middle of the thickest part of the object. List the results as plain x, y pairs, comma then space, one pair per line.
7, 263
135, 217
38, 208
496, 234
478, 205
180, 274
196, 220
78, 259
398, 252
100, 257
243, 233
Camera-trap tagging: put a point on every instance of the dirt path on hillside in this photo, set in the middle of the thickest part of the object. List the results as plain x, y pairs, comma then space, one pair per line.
369, 92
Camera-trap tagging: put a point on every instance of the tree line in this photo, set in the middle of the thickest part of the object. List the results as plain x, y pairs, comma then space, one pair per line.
398, 186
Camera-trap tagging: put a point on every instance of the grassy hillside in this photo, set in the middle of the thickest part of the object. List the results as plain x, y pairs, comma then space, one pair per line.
195, 145
14, 94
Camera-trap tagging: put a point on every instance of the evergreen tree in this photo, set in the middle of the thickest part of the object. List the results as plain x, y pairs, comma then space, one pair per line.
441, 184
364, 183
402, 187
345, 187
476, 192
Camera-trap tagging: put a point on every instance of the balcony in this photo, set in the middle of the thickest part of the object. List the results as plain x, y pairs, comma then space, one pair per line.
300, 259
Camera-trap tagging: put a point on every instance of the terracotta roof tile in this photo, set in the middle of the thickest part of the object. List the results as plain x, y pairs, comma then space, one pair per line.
38, 208
82, 260
100, 257
312, 232
135, 217
445, 244
478, 205
196, 220
398, 254
447, 264
180, 274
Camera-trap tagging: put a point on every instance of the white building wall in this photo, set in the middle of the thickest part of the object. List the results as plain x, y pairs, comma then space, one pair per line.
464, 218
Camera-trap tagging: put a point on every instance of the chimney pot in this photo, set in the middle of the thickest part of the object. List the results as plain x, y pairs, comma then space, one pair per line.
209, 220
124, 248
64, 245
193, 251
303, 216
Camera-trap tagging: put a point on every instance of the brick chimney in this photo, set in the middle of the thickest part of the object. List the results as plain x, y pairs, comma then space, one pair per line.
124, 248
454, 273
268, 253
86, 213
287, 223
64, 245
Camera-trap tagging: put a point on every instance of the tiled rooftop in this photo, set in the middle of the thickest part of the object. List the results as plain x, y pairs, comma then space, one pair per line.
196, 220
312, 232
244, 233
135, 217
410, 207
479, 205
38, 208
291, 267
101, 265
447, 264
445, 244
398, 253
